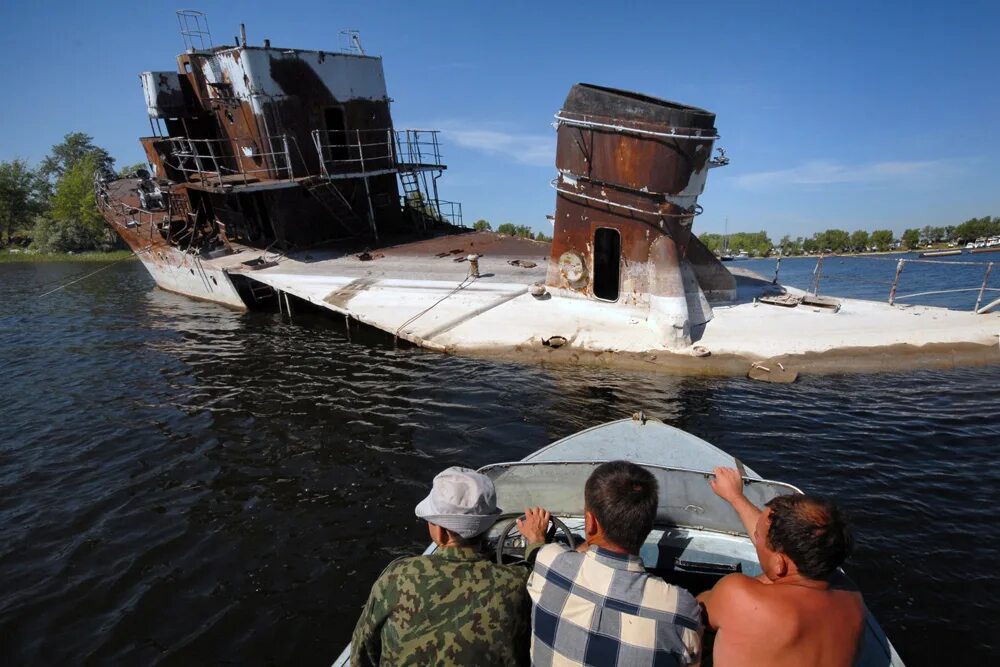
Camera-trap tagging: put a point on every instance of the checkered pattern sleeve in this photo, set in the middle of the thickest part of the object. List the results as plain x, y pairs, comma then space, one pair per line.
602, 608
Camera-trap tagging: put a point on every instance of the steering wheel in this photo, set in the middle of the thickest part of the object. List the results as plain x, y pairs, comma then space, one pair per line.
557, 524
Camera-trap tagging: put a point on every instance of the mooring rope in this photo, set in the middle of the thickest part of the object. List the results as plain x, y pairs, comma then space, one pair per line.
94, 273
461, 286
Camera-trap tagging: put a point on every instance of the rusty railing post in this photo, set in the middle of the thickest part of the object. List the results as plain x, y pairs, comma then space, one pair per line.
368, 192
777, 267
986, 279
818, 271
288, 157
895, 281
215, 161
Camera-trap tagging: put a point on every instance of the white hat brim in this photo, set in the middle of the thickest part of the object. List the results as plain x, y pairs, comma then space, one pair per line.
466, 525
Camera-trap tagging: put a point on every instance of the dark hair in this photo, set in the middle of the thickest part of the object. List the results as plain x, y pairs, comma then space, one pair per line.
623, 497
811, 531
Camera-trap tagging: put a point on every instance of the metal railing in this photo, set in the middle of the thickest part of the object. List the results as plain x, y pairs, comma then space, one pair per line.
358, 153
982, 287
435, 209
194, 30
981, 290
223, 161
135, 217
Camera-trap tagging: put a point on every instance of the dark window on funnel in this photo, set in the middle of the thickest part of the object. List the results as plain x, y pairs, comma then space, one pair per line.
607, 257
336, 134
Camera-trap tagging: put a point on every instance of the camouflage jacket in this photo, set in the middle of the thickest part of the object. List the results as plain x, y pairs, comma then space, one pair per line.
453, 607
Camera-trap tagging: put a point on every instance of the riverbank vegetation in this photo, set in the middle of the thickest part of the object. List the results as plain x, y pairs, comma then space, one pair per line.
510, 229
15, 255
50, 209
840, 241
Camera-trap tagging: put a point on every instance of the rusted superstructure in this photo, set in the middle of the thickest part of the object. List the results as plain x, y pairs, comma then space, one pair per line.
631, 168
271, 148
277, 180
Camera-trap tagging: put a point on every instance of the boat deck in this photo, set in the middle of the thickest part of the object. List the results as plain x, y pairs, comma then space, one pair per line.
421, 292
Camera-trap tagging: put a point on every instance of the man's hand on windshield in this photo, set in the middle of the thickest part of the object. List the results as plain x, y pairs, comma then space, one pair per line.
534, 524
727, 484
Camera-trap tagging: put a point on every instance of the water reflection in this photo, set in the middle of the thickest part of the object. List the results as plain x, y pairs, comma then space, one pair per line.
187, 483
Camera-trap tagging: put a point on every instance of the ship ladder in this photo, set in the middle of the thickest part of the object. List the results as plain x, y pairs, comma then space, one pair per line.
261, 292
337, 205
413, 195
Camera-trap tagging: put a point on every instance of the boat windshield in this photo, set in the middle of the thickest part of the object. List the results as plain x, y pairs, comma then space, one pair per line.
686, 500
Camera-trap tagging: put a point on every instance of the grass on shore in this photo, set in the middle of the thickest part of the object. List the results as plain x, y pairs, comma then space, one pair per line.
8, 257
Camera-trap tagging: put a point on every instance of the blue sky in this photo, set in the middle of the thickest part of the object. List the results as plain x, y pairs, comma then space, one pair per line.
835, 114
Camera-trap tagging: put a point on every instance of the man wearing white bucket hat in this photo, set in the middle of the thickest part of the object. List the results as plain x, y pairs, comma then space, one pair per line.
454, 606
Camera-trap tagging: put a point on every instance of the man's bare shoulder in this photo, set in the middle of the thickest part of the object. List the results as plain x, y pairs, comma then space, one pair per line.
735, 587
733, 595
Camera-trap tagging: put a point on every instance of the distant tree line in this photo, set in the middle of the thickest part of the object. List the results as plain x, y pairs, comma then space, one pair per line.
510, 229
758, 244
52, 207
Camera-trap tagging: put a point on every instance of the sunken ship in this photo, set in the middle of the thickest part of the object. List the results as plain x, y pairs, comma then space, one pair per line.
278, 180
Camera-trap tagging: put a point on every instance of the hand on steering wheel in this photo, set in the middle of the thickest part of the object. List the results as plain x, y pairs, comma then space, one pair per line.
522, 520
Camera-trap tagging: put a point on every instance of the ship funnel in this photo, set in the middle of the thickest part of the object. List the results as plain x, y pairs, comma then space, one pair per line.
631, 168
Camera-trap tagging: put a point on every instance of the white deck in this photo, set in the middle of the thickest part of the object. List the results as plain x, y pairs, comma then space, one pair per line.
431, 302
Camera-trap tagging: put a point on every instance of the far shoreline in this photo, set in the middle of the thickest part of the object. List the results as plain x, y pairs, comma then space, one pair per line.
25, 257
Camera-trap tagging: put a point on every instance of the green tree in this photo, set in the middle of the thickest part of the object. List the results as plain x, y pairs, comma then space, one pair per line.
833, 240
541, 236
859, 240
19, 201
975, 228
482, 226
757, 244
522, 231
73, 221
63, 156
790, 246
711, 241
882, 239
911, 238
129, 170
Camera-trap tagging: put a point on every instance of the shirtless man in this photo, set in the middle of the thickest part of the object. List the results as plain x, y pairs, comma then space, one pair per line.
799, 611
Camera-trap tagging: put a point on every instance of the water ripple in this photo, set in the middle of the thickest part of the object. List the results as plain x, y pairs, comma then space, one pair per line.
182, 483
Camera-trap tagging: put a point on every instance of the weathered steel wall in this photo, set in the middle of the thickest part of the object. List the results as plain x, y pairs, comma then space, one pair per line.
635, 164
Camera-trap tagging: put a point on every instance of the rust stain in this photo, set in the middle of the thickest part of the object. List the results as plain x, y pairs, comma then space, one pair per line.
626, 162
342, 297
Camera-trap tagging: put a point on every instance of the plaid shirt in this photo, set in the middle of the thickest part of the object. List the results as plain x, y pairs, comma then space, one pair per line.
602, 608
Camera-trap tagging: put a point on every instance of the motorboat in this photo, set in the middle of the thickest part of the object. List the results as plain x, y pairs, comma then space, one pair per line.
697, 538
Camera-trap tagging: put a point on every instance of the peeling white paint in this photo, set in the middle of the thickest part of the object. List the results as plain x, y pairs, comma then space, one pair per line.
159, 86
346, 76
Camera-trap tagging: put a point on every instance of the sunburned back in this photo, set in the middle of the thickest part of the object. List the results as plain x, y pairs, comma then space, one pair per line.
788, 624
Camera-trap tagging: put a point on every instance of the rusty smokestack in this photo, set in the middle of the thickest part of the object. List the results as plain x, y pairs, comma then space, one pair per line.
243, 34
631, 168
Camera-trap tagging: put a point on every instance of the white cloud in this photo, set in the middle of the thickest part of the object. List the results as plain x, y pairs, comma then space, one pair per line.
822, 172
537, 150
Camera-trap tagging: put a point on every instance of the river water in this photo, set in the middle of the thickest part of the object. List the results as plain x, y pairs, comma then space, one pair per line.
183, 484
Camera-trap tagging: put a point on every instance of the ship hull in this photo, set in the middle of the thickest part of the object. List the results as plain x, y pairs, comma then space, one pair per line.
187, 275
173, 269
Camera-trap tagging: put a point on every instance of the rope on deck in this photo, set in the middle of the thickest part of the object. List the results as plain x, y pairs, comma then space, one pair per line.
469, 279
